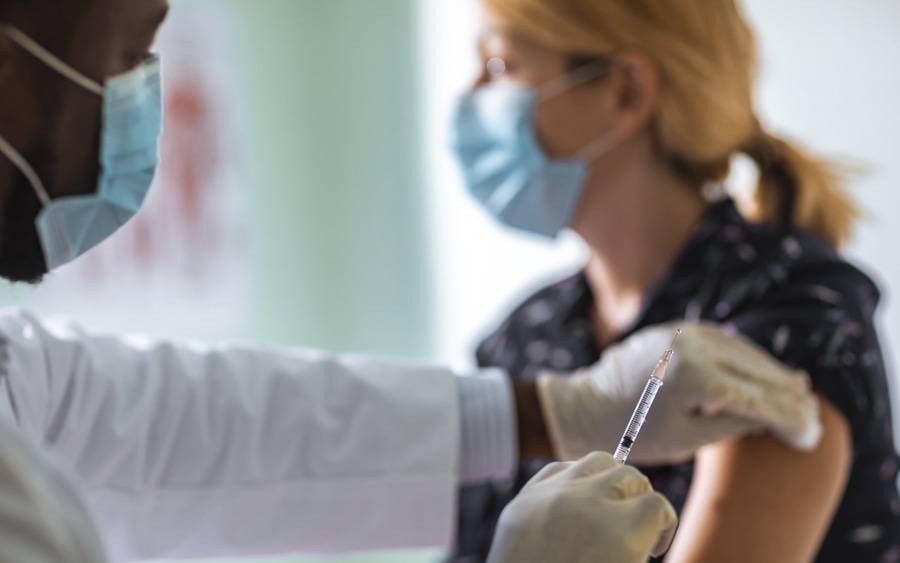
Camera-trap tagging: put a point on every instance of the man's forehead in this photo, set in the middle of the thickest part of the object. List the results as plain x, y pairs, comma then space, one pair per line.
152, 11
162, 11
55, 16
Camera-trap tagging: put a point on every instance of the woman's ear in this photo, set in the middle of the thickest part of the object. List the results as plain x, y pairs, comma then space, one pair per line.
637, 82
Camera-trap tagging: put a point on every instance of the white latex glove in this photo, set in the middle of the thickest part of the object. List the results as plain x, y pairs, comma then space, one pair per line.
590, 511
718, 386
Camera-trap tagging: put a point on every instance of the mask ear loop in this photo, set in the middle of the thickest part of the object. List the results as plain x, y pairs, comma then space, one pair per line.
577, 77
51, 60
582, 75
25, 168
598, 148
39, 189
14, 156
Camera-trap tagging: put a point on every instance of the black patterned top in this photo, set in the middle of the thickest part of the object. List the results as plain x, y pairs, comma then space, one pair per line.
785, 289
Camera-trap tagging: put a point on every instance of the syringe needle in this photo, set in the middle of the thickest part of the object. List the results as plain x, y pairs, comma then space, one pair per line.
663, 364
674, 338
654, 383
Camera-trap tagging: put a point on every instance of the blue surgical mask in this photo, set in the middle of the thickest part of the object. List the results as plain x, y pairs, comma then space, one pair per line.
504, 167
131, 126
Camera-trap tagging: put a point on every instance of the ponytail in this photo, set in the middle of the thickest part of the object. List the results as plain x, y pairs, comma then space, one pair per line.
802, 189
707, 56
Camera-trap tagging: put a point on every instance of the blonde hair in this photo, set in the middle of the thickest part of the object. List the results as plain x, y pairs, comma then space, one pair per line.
706, 54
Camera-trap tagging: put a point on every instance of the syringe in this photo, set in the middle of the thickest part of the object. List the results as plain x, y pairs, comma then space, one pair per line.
643, 406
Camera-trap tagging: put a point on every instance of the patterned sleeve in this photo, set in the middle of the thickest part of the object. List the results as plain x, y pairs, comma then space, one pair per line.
823, 324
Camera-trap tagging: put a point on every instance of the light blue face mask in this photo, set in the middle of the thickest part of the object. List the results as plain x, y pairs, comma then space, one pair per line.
132, 123
503, 165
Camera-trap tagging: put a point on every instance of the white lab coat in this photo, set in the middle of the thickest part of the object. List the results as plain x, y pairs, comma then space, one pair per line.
187, 450
42, 517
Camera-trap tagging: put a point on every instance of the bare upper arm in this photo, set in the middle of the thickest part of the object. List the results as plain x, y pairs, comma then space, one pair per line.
754, 499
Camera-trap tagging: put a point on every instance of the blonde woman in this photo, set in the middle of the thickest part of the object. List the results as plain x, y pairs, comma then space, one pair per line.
618, 119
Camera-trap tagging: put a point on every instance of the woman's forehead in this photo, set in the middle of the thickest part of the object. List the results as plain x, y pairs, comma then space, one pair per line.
502, 39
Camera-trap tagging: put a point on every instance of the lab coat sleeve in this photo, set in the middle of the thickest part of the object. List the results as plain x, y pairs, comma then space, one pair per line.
187, 450
43, 518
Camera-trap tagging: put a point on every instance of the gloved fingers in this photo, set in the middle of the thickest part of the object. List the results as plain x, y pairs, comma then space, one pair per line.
549, 471
621, 482
677, 440
721, 427
743, 358
765, 371
793, 417
654, 516
635, 356
797, 424
608, 378
740, 392
727, 393
707, 344
591, 464
574, 414
795, 421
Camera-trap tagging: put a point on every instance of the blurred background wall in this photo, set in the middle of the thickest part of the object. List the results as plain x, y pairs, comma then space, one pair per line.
309, 114
326, 209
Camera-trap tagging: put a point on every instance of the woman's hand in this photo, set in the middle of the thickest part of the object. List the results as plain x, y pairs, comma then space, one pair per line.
718, 387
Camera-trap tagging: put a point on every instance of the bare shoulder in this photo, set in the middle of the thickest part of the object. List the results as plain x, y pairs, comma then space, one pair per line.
755, 499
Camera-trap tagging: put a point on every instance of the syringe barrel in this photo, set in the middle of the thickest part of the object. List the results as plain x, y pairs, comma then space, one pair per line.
637, 419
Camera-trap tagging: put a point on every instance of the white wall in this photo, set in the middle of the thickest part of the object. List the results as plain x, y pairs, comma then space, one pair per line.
830, 78
479, 269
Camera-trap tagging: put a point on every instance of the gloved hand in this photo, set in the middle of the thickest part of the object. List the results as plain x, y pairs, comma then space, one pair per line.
590, 511
718, 386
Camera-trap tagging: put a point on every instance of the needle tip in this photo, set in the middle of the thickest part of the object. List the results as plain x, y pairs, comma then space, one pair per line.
678, 333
